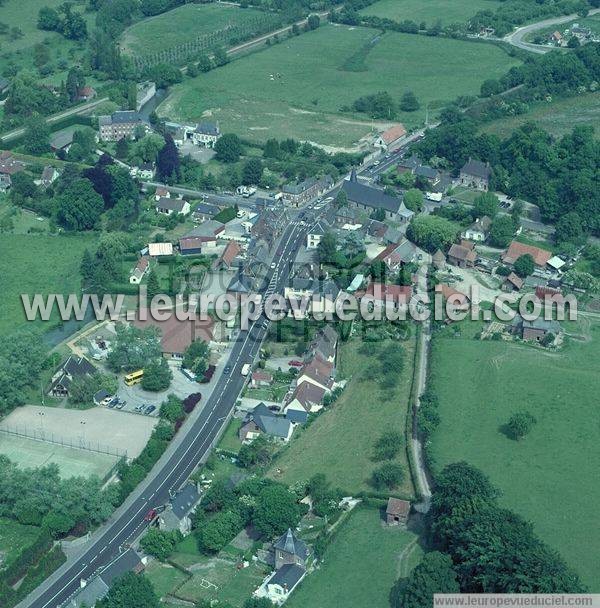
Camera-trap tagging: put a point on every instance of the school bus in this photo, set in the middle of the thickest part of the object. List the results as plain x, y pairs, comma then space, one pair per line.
134, 377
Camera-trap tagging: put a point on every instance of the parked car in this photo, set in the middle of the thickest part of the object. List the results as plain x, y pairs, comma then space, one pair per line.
149, 409
227, 370
295, 363
150, 515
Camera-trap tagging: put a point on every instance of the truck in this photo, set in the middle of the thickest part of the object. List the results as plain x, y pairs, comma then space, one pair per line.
434, 196
246, 369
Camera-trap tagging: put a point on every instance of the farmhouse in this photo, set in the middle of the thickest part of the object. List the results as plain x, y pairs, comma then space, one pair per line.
516, 250
176, 515
397, 511
73, 368
372, 199
297, 194
462, 255
512, 283
170, 206
391, 137
262, 420
536, 330
119, 125
478, 230
475, 174
206, 134
137, 274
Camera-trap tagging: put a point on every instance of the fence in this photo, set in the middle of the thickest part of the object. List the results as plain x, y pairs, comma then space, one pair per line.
79, 443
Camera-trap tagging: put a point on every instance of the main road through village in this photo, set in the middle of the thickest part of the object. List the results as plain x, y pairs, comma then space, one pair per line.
194, 440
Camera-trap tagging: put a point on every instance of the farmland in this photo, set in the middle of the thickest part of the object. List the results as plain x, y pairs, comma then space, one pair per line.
481, 384
340, 441
182, 24
558, 117
363, 550
296, 88
447, 11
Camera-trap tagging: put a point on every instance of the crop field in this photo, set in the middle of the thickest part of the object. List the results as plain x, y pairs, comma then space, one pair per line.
361, 564
37, 263
550, 476
340, 441
182, 24
430, 11
296, 88
557, 117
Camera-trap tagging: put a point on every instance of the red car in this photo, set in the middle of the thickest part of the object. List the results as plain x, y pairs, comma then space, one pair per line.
295, 363
150, 515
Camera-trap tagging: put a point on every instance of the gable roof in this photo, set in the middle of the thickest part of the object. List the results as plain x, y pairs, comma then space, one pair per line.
171, 204
392, 293
231, 251
184, 500
268, 422
460, 252
308, 394
289, 543
370, 197
515, 280
481, 224
393, 133
477, 168
396, 506
516, 250
156, 249
288, 576
208, 128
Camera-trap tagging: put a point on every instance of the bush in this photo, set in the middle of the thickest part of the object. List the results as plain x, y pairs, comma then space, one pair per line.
387, 476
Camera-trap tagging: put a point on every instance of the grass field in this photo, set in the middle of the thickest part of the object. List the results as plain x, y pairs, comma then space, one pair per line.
430, 11
557, 117
296, 88
28, 453
15, 537
340, 441
361, 565
38, 263
550, 477
182, 24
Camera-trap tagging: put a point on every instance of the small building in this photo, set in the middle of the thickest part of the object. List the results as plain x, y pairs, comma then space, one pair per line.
555, 263
290, 550
206, 134
282, 583
438, 260
86, 93
143, 171
397, 254
296, 416
307, 397
49, 176
397, 511
391, 137
170, 206
5, 183
475, 174
516, 250
102, 397
261, 378
9, 165
195, 245
227, 259
137, 274
61, 140
161, 192
462, 255
512, 283
261, 420
176, 515
119, 125
73, 368
156, 250
455, 301
315, 233
479, 230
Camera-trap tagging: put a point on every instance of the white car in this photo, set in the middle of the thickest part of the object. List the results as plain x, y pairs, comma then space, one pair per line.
273, 265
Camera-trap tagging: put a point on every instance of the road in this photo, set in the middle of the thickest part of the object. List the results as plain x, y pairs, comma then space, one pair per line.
193, 443
56, 117
516, 38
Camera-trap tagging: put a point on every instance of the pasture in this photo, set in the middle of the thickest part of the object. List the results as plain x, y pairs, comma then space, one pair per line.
360, 566
297, 88
429, 11
340, 441
550, 476
37, 263
182, 24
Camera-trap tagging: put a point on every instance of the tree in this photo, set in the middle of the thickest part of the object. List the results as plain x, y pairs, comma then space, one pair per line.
388, 445
432, 232
220, 56
409, 102
252, 171
196, 357
157, 376
48, 19
413, 199
133, 348
569, 228
573, 42
228, 148
258, 452
327, 248
435, 574
387, 476
271, 149
130, 591
171, 409
167, 161
341, 199
313, 22
486, 203
153, 285
160, 544
83, 389
204, 63
217, 531
524, 265
519, 425
502, 230
37, 135
276, 510
79, 207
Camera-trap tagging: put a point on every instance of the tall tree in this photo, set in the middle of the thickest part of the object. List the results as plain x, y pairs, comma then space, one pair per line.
168, 160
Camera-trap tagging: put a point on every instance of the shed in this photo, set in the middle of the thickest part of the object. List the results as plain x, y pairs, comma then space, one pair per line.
397, 511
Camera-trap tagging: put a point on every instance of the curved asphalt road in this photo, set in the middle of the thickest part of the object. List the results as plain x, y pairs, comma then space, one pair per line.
176, 465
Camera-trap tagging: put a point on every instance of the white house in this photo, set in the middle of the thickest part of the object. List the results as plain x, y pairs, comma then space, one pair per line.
168, 206
206, 134
282, 583
478, 231
315, 234
137, 274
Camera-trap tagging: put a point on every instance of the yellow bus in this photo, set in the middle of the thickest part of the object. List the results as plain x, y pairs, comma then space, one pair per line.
134, 377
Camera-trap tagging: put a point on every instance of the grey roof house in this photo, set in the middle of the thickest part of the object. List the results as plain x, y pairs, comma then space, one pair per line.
73, 367
261, 420
176, 516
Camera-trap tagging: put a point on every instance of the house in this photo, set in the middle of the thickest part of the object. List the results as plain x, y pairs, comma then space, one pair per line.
204, 212
170, 206
373, 199
397, 511
475, 174
206, 134
555, 263
478, 230
282, 583
391, 297
296, 416
86, 93
144, 92
195, 245
137, 274
159, 249
143, 171
298, 193
549, 295
226, 260
315, 233
318, 373
240, 284
9, 165
176, 335
61, 140
391, 137
261, 420
289, 549
516, 250
462, 254
5, 183
438, 260
48, 177
455, 300
536, 330
161, 192
102, 397
324, 344
261, 378
176, 515
307, 397
393, 256
557, 38
73, 368
96, 588
119, 125
512, 283
320, 296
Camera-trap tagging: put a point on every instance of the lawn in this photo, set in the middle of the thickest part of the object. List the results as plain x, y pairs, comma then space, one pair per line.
182, 24
230, 440
557, 117
38, 263
430, 11
164, 578
296, 88
15, 537
340, 441
550, 477
361, 565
